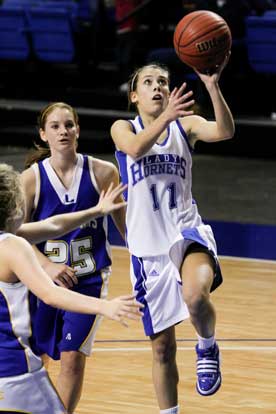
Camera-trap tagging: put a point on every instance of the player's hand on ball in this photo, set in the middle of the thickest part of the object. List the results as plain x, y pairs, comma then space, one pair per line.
209, 78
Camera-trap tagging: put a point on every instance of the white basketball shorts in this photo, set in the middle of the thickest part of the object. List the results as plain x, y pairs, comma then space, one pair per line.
31, 393
157, 283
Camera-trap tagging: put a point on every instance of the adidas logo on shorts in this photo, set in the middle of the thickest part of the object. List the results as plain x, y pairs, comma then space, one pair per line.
153, 273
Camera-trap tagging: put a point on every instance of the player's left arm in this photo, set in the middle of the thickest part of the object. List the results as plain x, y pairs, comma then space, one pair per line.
107, 173
223, 127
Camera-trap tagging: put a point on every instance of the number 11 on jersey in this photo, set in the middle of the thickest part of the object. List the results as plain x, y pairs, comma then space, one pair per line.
171, 188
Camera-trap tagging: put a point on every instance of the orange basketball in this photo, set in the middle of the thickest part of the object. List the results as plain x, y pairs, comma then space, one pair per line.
202, 39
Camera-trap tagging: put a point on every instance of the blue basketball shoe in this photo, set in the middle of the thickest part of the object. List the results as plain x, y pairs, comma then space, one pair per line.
208, 370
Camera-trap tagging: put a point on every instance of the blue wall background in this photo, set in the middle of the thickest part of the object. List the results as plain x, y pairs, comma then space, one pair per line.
233, 239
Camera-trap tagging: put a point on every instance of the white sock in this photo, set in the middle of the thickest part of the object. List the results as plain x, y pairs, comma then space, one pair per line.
172, 410
204, 343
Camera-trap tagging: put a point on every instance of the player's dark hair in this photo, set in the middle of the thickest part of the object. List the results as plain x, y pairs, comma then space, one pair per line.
133, 79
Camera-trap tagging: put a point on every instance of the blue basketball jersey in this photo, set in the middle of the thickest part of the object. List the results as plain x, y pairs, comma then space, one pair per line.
86, 249
17, 348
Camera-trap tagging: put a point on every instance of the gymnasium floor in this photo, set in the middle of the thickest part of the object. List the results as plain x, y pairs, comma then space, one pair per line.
118, 374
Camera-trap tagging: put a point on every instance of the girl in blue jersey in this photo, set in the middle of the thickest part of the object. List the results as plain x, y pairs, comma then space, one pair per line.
60, 181
173, 253
24, 383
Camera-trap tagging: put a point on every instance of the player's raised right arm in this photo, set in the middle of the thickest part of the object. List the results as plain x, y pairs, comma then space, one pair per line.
136, 145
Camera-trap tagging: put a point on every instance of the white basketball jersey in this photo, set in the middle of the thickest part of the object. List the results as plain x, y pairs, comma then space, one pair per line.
159, 196
17, 355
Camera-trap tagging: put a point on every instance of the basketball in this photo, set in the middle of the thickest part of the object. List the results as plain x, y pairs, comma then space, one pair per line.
202, 39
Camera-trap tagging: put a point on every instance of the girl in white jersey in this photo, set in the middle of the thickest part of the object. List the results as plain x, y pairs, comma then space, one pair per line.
173, 254
24, 383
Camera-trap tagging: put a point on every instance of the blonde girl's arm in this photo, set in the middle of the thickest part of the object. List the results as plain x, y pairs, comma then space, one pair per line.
27, 268
58, 225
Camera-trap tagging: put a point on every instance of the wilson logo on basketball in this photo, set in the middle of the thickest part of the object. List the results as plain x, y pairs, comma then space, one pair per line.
216, 42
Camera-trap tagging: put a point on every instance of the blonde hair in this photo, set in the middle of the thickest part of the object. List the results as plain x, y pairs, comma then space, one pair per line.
11, 195
41, 150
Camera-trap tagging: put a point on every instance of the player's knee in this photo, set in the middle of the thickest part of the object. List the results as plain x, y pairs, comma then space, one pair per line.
196, 301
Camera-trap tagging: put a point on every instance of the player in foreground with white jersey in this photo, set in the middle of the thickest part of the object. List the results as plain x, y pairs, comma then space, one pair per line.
174, 264
24, 383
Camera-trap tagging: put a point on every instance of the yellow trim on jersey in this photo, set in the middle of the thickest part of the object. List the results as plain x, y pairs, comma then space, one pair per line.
14, 411
105, 275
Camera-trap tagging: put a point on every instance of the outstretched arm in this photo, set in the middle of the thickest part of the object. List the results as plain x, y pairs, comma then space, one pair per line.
27, 268
58, 225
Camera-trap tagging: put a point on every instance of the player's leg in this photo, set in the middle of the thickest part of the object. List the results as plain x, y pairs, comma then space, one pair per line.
157, 285
198, 276
70, 379
70, 340
164, 369
78, 335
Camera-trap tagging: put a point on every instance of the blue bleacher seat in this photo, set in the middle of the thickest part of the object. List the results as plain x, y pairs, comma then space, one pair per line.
87, 9
51, 34
20, 3
261, 43
69, 5
14, 43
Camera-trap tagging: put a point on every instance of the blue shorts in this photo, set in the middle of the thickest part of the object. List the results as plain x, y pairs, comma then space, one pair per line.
59, 331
